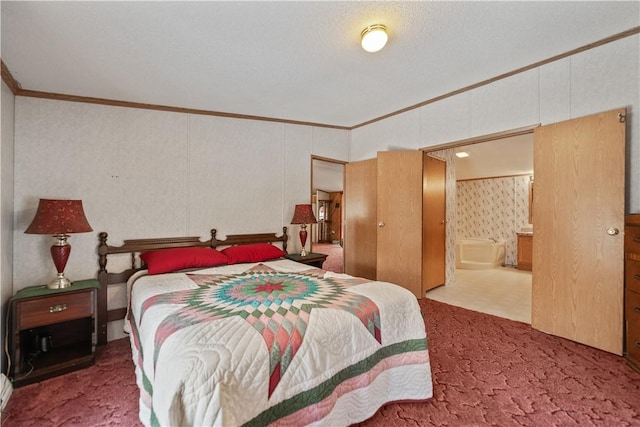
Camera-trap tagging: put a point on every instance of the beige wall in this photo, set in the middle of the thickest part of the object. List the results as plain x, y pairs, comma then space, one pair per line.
145, 173
6, 210
599, 79
592, 81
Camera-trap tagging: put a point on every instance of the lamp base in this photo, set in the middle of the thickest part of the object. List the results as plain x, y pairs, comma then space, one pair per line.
59, 282
303, 239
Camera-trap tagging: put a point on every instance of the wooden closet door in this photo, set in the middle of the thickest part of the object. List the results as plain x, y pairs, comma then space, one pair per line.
433, 223
399, 243
578, 223
360, 218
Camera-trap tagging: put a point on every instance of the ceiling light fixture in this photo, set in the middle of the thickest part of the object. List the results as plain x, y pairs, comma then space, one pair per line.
374, 37
462, 154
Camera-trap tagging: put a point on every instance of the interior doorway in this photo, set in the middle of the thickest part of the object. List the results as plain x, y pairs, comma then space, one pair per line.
327, 185
329, 217
488, 198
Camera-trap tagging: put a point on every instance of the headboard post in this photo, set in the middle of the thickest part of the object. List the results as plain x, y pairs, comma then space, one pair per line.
101, 318
102, 251
285, 239
214, 239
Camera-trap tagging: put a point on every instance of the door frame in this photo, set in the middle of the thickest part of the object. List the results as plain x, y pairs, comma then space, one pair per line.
482, 138
450, 210
328, 160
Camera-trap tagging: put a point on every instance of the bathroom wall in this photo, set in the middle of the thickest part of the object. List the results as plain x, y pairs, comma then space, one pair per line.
493, 208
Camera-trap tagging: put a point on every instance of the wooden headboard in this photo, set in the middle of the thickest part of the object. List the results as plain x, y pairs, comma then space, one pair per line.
134, 247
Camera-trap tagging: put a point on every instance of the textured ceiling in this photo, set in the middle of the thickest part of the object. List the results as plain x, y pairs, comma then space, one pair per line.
296, 61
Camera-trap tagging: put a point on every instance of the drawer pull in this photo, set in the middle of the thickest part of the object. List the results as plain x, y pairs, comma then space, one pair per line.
636, 239
636, 309
62, 307
638, 344
636, 276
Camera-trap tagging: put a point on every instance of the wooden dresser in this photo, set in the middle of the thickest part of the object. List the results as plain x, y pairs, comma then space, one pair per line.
632, 289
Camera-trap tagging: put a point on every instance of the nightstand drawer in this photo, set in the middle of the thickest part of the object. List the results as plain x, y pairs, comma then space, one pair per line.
32, 313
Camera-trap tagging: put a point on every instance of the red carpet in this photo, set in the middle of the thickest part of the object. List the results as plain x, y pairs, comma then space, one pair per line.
486, 371
334, 259
102, 395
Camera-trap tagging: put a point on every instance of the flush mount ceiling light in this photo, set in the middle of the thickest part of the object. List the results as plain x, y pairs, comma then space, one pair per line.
374, 37
461, 154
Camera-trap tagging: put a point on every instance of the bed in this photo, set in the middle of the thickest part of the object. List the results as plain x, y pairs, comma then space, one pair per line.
229, 332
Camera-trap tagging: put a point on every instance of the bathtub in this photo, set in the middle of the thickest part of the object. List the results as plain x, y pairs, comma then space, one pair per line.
479, 254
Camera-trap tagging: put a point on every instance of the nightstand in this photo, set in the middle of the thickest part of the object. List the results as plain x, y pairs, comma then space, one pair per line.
313, 259
52, 331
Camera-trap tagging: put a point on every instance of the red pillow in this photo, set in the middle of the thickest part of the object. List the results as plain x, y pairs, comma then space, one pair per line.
254, 252
168, 260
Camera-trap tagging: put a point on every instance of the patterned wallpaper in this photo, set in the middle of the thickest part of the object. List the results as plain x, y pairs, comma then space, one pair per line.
493, 208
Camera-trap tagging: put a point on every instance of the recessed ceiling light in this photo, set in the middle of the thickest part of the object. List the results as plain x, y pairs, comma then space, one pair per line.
462, 154
374, 37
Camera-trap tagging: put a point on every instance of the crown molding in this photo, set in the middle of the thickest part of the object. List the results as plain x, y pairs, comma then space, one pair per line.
139, 105
14, 86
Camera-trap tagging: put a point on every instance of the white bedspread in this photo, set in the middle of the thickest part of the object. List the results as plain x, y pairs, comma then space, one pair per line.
273, 343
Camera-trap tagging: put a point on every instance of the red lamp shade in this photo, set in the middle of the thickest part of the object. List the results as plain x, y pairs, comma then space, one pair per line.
59, 218
303, 214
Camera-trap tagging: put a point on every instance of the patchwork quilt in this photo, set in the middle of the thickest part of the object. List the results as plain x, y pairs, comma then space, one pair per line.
274, 343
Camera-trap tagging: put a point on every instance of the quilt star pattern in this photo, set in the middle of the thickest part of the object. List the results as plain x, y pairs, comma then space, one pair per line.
277, 304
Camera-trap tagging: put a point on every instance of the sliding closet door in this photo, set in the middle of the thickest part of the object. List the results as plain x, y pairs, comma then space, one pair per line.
578, 221
360, 218
400, 219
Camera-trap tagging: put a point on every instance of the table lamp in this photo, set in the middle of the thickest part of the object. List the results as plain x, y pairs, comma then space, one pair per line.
59, 218
303, 214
